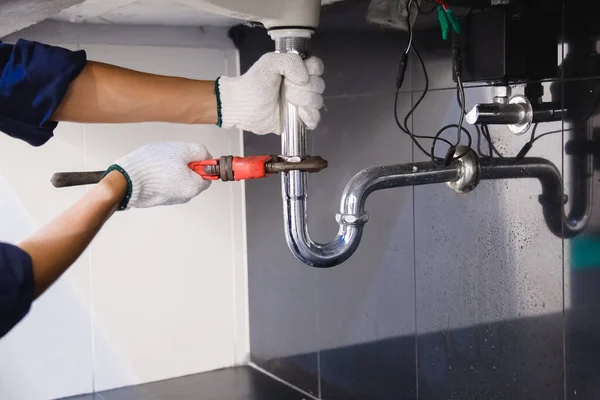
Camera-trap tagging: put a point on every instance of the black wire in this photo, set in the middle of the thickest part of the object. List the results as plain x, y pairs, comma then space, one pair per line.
403, 126
445, 128
549, 133
460, 88
410, 134
529, 145
462, 108
480, 135
425, 90
419, 101
535, 126
487, 135
410, 27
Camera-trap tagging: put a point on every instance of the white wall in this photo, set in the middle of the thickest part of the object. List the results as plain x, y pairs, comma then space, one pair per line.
161, 292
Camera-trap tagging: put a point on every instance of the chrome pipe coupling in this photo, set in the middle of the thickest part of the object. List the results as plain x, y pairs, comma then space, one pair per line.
467, 162
352, 219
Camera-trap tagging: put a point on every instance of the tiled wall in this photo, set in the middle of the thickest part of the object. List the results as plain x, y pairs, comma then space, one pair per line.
161, 292
461, 297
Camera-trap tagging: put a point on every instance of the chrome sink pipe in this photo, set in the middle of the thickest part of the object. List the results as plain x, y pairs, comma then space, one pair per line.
552, 198
352, 216
462, 175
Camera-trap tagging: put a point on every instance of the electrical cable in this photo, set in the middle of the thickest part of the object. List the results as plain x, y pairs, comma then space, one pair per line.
403, 125
480, 135
457, 65
410, 28
452, 149
485, 129
412, 135
461, 118
442, 3
550, 133
527, 147
403, 64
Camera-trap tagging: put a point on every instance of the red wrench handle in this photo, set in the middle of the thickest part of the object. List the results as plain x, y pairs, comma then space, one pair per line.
230, 168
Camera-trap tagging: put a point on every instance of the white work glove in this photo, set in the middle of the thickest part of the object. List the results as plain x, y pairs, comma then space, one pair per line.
158, 174
252, 101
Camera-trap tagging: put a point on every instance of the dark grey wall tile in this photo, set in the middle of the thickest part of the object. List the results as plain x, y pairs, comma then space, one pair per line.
581, 33
481, 259
379, 370
489, 274
582, 262
357, 62
515, 359
282, 290
370, 297
296, 311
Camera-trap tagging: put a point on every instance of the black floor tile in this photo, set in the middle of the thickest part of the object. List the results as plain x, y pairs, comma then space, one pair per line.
90, 396
243, 383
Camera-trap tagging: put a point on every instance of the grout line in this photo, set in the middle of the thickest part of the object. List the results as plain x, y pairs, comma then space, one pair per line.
564, 325
318, 328
240, 264
415, 266
278, 379
444, 88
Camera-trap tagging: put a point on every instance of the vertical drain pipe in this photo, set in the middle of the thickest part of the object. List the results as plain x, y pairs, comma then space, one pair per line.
293, 141
582, 177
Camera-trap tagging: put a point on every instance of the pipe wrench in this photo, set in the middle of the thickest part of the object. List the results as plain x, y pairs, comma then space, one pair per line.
226, 168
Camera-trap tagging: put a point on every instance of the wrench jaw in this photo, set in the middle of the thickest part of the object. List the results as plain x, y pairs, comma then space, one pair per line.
207, 169
230, 168
309, 164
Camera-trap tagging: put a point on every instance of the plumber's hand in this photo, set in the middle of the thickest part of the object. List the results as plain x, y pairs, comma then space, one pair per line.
158, 174
252, 101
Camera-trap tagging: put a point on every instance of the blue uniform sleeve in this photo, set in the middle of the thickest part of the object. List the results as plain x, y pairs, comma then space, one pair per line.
34, 79
16, 286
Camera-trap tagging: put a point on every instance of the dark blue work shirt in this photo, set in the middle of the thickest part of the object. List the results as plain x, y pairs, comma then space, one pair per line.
34, 78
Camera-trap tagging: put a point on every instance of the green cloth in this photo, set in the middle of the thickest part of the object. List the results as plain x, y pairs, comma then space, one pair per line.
585, 252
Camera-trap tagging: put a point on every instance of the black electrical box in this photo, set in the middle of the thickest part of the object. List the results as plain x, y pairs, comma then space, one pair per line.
503, 45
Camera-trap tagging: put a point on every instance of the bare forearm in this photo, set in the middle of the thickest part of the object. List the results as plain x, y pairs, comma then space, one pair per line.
105, 93
58, 245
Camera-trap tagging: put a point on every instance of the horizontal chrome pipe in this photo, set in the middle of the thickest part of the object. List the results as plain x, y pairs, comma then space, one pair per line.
552, 198
496, 114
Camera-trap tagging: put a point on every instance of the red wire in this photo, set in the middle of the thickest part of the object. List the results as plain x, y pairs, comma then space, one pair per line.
442, 3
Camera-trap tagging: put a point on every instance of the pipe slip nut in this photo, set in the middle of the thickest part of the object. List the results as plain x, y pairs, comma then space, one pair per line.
352, 219
468, 166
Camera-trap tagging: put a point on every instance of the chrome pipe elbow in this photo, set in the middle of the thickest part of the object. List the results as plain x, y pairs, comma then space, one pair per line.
352, 216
